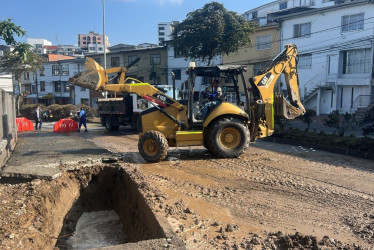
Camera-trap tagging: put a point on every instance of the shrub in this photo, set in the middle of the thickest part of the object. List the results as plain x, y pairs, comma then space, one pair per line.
28, 110
57, 111
368, 129
340, 123
90, 112
307, 117
363, 144
68, 110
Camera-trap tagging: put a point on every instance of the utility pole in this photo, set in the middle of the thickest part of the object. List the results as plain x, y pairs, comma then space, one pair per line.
105, 93
36, 83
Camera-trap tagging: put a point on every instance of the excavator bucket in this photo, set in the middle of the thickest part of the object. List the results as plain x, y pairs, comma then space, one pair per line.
93, 77
284, 109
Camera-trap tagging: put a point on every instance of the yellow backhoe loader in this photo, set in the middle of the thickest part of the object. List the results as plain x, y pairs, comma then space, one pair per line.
227, 129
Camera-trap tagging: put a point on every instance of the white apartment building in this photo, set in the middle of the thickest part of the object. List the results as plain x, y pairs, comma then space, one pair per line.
262, 14
50, 85
178, 65
335, 55
164, 31
38, 44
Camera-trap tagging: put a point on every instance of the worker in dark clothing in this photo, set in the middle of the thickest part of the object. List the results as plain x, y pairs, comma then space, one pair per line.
82, 120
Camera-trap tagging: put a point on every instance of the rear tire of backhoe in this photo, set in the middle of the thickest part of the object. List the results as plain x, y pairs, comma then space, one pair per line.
228, 138
153, 146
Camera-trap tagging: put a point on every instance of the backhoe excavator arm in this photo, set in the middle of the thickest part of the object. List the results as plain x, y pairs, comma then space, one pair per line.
285, 63
94, 77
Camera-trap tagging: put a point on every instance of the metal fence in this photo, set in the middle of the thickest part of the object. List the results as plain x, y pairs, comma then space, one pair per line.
8, 128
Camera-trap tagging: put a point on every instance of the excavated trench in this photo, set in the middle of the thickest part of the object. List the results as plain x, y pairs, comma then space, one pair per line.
109, 210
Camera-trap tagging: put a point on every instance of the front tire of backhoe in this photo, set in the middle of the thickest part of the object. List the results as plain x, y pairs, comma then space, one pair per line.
153, 146
228, 138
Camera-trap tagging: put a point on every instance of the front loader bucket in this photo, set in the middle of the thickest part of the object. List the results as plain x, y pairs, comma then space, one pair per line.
284, 109
93, 77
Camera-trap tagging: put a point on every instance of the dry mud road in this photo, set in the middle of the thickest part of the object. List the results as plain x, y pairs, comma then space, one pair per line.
274, 196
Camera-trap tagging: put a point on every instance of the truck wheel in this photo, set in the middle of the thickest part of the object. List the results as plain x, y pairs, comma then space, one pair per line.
109, 124
153, 146
228, 137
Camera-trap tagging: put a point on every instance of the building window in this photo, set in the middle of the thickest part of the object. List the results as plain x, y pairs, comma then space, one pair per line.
65, 69
356, 61
98, 60
83, 89
42, 86
177, 74
55, 70
259, 67
305, 61
65, 87
131, 59
114, 61
300, 30
84, 101
263, 42
254, 14
283, 6
27, 88
161, 28
161, 33
177, 53
27, 76
57, 86
353, 22
155, 59
42, 71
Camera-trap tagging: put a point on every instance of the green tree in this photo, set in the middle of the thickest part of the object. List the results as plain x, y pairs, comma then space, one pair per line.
211, 31
8, 30
21, 59
19, 63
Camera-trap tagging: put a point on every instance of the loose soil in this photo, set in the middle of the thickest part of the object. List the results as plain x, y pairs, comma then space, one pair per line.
272, 197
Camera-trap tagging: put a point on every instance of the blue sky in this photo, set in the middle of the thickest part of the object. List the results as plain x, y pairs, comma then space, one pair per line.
126, 21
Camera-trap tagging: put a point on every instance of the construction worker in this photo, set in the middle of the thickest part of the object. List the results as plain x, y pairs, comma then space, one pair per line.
82, 119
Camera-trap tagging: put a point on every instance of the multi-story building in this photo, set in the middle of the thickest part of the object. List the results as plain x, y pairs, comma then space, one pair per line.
39, 44
93, 41
50, 84
178, 64
164, 31
263, 14
335, 55
152, 68
265, 45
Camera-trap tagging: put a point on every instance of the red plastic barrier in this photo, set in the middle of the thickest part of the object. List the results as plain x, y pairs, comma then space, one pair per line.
24, 124
65, 125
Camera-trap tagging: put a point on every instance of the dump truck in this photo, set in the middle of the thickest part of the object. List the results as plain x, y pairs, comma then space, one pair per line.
228, 129
125, 110
119, 111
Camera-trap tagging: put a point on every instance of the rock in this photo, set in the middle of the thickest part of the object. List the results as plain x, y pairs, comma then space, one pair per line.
216, 223
229, 228
187, 211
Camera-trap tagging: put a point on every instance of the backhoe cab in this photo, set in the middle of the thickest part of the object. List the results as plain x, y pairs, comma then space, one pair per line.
224, 125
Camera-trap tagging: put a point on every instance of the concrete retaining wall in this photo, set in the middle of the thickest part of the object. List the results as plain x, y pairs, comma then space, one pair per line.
8, 128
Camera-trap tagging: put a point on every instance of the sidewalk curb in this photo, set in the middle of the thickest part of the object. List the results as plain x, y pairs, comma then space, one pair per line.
331, 149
